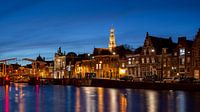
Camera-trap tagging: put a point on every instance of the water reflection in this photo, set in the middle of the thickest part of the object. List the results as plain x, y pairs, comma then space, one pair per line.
123, 102
181, 100
113, 100
7, 99
90, 94
151, 100
77, 109
37, 98
25, 98
100, 99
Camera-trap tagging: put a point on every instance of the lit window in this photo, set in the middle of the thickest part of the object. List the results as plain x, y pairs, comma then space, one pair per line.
145, 52
152, 60
175, 54
183, 61
97, 66
142, 60
147, 60
182, 51
123, 65
129, 62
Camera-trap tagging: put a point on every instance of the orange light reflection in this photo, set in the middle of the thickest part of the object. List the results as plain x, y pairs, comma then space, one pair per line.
7, 100
77, 109
100, 99
123, 103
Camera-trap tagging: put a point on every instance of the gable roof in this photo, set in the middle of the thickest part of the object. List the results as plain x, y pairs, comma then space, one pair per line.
101, 51
159, 43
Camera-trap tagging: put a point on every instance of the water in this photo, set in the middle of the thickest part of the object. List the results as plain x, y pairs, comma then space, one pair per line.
58, 98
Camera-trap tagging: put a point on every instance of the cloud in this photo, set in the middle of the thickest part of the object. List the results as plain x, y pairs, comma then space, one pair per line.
13, 6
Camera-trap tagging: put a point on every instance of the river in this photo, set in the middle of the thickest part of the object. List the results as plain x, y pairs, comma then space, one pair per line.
59, 98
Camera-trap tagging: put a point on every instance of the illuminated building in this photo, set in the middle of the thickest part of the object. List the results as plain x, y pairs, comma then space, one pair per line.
71, 59
196, 56
133, 63
153, 58
182, 58
59, 64
84, 67
105, 62
107, 66
106, 59
112, 43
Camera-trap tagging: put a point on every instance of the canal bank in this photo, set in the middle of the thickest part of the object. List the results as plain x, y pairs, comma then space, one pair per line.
145, 85
108, 83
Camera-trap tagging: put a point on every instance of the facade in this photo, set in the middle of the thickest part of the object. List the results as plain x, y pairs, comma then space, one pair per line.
182, 60
84, 65
133, 63
152, 59
107, 66
59, 64
71, 59
196, 56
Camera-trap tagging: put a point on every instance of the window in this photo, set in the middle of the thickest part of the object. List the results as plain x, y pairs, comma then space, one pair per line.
175, 54
123, 65
164, 50
142, 60
164, 65
182, 70
182, 51
129, 62
188, 59
147, 60
145, 52
182, 61
152, 60
97, 66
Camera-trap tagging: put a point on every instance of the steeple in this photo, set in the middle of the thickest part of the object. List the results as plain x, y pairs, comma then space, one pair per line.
112, 43
59, 52
147, 34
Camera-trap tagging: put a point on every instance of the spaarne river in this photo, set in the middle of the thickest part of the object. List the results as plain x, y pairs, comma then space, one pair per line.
59, 98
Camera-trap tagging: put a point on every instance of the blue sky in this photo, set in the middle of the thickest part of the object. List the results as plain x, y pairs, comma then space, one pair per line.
32, 27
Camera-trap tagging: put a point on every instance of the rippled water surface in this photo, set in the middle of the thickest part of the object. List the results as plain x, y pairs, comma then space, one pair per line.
58, 98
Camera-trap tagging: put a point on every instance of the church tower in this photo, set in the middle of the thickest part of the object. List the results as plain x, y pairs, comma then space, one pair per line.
112, 43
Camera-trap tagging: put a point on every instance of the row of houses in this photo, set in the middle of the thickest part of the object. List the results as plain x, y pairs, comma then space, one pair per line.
166, 59
158, 56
